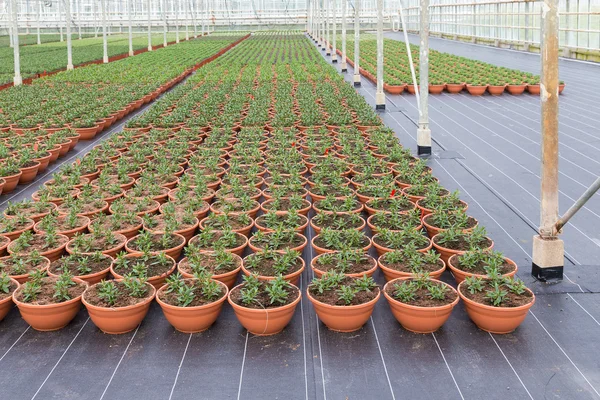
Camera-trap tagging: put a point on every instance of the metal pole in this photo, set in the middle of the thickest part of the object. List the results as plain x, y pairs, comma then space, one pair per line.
187, 20
548, 249
149, 4
423, 132
193, 12
578, 204
410, 59
323, 38
357, 43
164, 10
69, 44
59, 22
327, 42
17, 80
379, 95
176, 7
78, 4
344, 10
334, 58
95, 19
129, 5
202, 14
39, 12
104, 40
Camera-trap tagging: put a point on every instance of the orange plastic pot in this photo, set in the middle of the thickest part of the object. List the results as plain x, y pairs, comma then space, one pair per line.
48, 317
321, 250
264, 322
227, 278
192, 319
293, 278
7, 303
460, 275
11, 182
419, 319
319, 273
29, 173
174, 252
446, 253
343, 318
498, 320
157, 281
118, 320
390, 273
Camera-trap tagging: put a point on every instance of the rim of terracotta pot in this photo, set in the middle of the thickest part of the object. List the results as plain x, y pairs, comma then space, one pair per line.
113, 309
496, 309
49, 306
204, 306
354, 307
263, 310
410, 306
370, 271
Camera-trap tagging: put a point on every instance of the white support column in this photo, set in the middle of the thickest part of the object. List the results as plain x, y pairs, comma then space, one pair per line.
357, 81
322, 17
67, 4
176, 7
327, 35
193, 12
129, 6
78, 4
203, 15
423, 132
149, 4
334, 57
17, 80
60, 28
104, 39
95, 19
548, 250
379, 95
187, 19
164, 10
39, 12
344, 11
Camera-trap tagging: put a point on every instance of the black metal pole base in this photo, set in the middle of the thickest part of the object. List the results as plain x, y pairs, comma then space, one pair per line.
380, 106
334, 61
344, 70
356, 84
424, 150
548, 274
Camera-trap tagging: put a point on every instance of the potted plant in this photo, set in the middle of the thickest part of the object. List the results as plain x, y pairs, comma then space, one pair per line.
337, 221
269, 264
222, 265
496, 304
12, 228
330, 240
227, 240
153, 268
7, 286
105, 241
273, 221
191, 305
264, 307
65, 224
440, 221
146, 242
455, 241
48, 244
118, 307
90, 268
408, 261
395, 221
278, 240
480, 263
49, 304
343, 303
420, 304
354, 263
386, 240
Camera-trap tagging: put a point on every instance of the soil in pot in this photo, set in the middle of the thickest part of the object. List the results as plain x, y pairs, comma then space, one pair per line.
480, 263
7, 287
279, 240
337, 221
209, 240
89, 268
269, 264
409, 262
49, 245
169, 243
220, 264
154, 268
354, 263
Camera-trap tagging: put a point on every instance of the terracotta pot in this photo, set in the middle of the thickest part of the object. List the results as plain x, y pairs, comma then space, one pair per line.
7, 304
87, 133
460, 275
11, 182
52, 254
343, 318
390, 273
436, 89
446, 253
395, 89
293, 278
44, 161
264, 322
427, 211
15, 234
321, 250
432, 230
318, 273
49, 317
516, 89
455, 87
533, 89
29, 173
496, 90
381, 250
297, 248
419, 319
118, 320
192, 319
157, 281
499, 320
476, 90
25, 277
69, 233
174, 252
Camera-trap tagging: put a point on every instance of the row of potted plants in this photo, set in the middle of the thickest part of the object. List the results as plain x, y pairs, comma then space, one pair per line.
151, 194
447, 72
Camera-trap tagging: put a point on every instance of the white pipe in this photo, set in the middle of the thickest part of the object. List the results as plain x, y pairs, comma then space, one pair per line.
410, 60
17, 80
149, 3
69, 44
104, 39
357, 43
129, 5
344, 11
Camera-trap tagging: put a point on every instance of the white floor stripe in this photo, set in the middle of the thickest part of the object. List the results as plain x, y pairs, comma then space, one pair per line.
303, 336
242, 371
14, 343
180, 364
387, 375
447, 366
511, 367
583, 308
119, 363
60, 359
